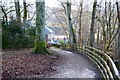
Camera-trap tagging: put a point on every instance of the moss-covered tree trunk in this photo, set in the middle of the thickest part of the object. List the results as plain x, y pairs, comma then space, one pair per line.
40, 46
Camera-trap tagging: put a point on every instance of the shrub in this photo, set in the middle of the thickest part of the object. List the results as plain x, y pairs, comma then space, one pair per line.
14, 36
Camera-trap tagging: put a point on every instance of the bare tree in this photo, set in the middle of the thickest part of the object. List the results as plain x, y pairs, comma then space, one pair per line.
18, 14
108, 23
92, 33
61, 24
24, 13
118, 13
98, 28
5, 14
80, 22
72, 38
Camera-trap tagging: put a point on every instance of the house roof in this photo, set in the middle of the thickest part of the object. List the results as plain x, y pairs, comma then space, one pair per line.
57, 30
48, 30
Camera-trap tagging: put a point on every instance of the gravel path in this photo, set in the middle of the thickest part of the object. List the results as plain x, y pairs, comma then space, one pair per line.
74, 65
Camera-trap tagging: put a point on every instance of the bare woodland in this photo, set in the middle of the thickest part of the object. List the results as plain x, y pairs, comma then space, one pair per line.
96, 24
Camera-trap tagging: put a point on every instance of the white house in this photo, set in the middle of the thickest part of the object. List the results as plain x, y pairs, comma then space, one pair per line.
50, 33
59, 33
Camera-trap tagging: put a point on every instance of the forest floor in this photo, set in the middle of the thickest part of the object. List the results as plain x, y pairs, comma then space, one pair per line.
22, 64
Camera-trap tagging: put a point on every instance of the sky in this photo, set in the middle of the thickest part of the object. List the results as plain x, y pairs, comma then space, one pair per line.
55, 3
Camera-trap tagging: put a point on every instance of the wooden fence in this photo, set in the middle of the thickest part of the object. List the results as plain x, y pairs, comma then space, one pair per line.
101, 59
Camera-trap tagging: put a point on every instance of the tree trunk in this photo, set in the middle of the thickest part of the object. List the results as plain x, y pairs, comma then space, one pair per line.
40, 46
17, 8
80, 23
72, 38
98, 28
98, 35
92, 33
118, 12
24, 14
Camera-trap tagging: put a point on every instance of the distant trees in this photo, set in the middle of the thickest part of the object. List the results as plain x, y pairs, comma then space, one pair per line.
108, 21
68, 21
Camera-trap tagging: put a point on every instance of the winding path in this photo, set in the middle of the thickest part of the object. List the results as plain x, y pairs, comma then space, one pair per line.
74, 65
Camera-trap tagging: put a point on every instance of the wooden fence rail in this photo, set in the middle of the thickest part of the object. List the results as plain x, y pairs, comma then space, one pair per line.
101, 59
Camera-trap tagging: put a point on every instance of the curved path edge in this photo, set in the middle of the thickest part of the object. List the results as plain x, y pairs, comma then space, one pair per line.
74, 65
